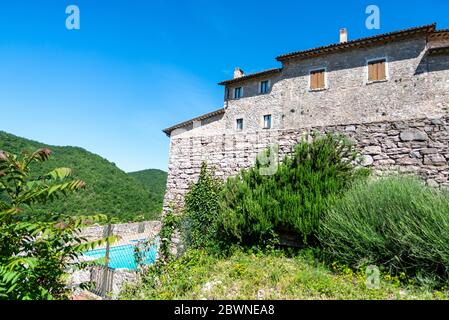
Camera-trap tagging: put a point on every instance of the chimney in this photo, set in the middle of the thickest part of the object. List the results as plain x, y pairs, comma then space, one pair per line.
343, 35
238, 73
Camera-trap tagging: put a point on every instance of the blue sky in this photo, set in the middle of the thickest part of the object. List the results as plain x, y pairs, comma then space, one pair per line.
137, 67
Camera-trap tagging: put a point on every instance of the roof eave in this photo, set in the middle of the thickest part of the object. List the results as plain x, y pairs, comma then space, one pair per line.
251, 76
356, 43
169, 130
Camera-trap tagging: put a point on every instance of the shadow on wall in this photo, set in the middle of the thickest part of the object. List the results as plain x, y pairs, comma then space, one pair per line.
439, 62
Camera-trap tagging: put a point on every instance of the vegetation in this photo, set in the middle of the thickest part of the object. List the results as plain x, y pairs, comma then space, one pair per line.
346, 223
108, 190
256, 208
265, 275
155, 181
395, 223
201, 210
343, 221
35, 254
170, 224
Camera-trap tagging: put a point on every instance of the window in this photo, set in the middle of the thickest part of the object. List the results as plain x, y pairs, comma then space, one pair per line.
227, 94
317, 79
238, 92
267, 121
377, 70
239, 124
264, 86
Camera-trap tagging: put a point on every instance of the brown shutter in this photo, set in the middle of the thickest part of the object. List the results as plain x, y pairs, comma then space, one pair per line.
375, 71
321, 81
371, 68
381, 71
313, 81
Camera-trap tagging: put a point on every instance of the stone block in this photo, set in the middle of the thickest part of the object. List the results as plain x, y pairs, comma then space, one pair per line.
413, 135
435, 160
367, 160
407, 161
426, 151
372, 150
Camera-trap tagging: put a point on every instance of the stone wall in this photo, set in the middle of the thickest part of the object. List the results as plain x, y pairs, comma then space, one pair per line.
420, 146
412, 89
97, 232
417, 86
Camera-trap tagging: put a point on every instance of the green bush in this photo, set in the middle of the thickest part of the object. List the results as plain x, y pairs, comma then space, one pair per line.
201, 210
256, 208
395, 223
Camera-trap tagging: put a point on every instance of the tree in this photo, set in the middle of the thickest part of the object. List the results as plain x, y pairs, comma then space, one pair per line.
35, 254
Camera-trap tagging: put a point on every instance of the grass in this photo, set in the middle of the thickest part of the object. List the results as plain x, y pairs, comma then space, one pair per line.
275, 275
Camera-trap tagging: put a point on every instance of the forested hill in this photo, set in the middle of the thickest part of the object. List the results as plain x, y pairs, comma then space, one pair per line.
154, 179
109, 190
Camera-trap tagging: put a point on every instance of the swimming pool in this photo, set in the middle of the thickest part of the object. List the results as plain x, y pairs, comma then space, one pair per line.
122, 257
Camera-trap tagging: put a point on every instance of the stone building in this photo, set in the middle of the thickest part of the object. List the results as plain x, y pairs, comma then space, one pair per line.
389, 93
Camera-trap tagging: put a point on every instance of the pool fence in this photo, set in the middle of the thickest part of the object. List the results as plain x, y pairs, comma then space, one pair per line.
133, 247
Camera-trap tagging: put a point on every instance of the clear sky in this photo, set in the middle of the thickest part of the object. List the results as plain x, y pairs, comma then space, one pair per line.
136, 67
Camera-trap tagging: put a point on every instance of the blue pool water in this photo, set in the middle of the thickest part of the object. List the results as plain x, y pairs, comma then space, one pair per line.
122, 257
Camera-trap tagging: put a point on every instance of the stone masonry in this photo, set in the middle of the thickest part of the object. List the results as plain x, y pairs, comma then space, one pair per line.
420, 146
399, 123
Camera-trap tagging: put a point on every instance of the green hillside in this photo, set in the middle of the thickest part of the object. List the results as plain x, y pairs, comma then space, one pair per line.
109, 190
154, 179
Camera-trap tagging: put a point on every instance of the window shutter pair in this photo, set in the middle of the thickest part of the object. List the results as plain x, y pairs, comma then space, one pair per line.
317, 80
377, 70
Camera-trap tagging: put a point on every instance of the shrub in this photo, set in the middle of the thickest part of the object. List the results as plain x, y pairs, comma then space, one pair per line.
201, 210
256, 208
395, 223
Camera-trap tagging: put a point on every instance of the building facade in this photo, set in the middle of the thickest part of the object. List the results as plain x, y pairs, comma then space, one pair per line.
390, 93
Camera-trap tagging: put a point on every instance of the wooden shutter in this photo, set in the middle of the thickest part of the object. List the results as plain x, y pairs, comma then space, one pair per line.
372, 71
321, 83
377, 70
317, 80
381, 74
313, 80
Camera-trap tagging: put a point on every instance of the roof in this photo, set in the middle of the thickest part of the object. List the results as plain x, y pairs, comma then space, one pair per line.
438, 50
199, 118
358, 43
443, 33
251, 76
